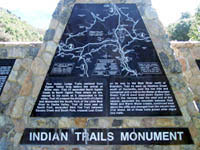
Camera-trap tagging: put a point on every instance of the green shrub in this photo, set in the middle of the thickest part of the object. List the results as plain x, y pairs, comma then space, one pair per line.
14, 29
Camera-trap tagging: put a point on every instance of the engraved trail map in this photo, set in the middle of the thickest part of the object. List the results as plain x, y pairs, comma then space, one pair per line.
104, 41
106, 65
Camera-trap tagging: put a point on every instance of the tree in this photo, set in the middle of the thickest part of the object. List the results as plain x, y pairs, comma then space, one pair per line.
179, 31
185, 15
194, 32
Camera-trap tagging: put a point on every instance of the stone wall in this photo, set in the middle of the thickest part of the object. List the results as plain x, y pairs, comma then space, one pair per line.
24, 53
187, 53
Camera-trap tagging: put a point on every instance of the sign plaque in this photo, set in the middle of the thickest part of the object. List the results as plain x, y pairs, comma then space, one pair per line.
105, 65
6, 66
128, 136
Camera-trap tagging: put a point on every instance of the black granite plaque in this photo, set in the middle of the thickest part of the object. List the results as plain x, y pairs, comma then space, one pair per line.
72, 97
6, 66
106, 65
198, 63
124, 136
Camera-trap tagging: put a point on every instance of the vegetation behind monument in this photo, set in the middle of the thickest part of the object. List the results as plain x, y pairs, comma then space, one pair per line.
186, 28
12, 28
194, 33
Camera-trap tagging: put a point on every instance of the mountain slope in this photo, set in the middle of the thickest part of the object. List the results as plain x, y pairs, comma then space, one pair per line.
12, 28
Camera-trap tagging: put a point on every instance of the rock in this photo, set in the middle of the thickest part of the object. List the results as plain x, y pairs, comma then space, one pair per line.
49, 35
183, 63
21, 77
19, 125
58, 10
188, 147
5, 99
105, 123
59, 31
193, 130
53, 23
176, 67
2, 121
13, 76
148, 122
41, 123
7, 87
47, 58
66, 2
92, 123
165, 59
128, 147
117, 123
197, 122
63, 148
17, 138
180, 98
37, 85
133, 122
191, 108
33, 52
26, 63
80, 122
27, 86
64, 16
39, 67
116, 148
51, 47
17, 64
30, 102
10, 93
164, 122
76, 148
186, 116
133, 1
16, 52
18, 108
3, 143
150, 13
147, 2
153, 27
65, 123
142, 147
2, 108
3, 53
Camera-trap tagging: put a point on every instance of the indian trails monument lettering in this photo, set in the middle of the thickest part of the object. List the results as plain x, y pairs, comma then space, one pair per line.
105, 65
160, 136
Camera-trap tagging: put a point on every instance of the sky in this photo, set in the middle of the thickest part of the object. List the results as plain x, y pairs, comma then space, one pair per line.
38, 12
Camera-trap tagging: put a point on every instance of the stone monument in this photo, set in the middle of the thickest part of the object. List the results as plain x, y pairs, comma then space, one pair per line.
105, 78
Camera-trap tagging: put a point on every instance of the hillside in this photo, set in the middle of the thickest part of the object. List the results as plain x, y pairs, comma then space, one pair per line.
12, 28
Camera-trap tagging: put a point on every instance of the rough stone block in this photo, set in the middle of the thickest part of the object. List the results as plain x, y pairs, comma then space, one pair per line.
39, 67
18, 108
80, 122
49, 35
65, 123
51, 47
164, 122
165, 59
150, 13
47, 57
38, 81
117, 123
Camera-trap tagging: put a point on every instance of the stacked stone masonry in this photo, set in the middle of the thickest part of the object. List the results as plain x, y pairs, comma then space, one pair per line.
26, 79
24, 53
187, 53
